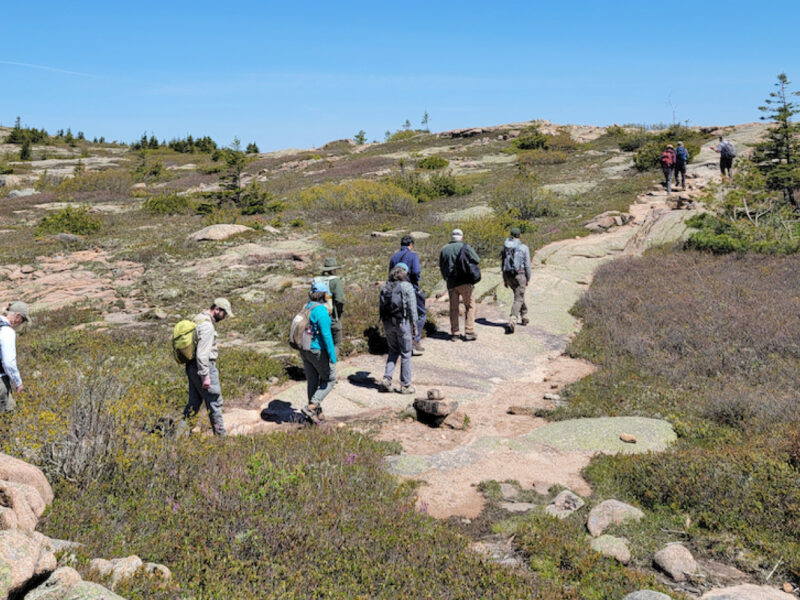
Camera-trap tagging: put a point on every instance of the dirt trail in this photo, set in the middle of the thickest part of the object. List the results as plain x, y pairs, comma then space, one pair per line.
499, 371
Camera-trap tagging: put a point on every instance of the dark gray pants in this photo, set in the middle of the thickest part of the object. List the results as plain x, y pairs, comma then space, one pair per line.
667, 178
399, 339
421, 312
212, 397
320, 374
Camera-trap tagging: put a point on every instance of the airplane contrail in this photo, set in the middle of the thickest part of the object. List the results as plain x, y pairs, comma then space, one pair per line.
46, 68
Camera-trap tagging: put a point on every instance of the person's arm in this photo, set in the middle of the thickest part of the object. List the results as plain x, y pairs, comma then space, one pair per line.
443, 265
8, 348
410, 298
473, 254
414, 268
337, 290
323, 322
526, 263
205, 340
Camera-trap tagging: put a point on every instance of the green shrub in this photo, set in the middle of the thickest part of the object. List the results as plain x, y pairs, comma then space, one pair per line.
167, 204
113, 181
433, 162
425, 188
358, 195
523, 199
68, 220
648, 153
254, 200
724, 236
401, 135
530, 139
530, 158
486, 235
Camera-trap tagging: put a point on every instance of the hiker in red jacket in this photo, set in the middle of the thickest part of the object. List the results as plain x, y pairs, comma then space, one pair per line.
667, 166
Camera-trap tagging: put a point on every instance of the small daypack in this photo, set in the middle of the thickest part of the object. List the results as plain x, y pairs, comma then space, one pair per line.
727, 150
465, 269
667, 158
682, 155
326, 279
184, 341
508, 256
301, 331
392, 307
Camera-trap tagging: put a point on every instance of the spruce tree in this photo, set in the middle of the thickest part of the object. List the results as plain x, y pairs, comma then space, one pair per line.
25, 152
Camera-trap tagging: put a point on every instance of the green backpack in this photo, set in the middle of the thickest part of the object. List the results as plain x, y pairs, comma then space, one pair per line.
184, 341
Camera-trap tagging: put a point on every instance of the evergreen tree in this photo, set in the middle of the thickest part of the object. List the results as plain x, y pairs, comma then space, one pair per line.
360, 137
425, 118
25, 152
778, 157
232, 178
252, 148
17, 136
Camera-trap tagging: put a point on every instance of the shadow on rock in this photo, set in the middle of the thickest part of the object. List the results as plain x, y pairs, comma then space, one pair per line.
280, 411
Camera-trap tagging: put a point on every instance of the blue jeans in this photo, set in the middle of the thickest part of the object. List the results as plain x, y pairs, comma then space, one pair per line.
212, 397
320, 374
399, 340
421, 312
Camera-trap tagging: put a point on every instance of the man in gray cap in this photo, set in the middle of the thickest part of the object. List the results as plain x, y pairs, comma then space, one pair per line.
459, 285
202, 372
12, 319
516, 265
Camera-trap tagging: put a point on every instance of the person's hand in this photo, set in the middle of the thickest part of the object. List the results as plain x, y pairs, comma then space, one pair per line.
19, 388
206, 382
505, 283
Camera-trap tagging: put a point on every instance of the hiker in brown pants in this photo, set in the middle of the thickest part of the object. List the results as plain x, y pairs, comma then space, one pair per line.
459, 284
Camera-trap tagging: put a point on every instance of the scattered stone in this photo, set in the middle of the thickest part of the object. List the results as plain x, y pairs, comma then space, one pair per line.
518, 507
139, 186
564, 504
611, 512
508, 491
387, 234
216, 233
158, 570
433, 411
628, 438
419, 235
552, 396
22, 193
613, 547
676, 561
646, 595
788, 587
747, 591
68, 238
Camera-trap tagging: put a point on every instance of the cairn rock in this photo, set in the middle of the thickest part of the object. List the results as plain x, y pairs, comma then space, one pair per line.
747, 591
613, 547
676, 561
18, 471
219, 232
646, 595
66, 584
564, 504
611, 512
434, 409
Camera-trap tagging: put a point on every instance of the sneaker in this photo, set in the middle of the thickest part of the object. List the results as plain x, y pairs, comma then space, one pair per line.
524, 321
510, 327
312, 412
417, 349
406, 389
454, 337
385, 385
470, 337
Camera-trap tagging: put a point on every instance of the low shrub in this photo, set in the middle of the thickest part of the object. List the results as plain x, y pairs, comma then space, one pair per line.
401, 135
531, 158
68, 220
358, 195
719, 235
522, 198
167, 204
425, 188
648, 153
116, 181
433, 162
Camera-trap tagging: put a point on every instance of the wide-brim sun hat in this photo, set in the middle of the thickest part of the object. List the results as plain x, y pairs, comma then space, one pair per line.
21, 309
330, 264
225, 305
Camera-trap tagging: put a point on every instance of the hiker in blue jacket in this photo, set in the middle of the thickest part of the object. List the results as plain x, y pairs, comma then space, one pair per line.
681, 160
407, 256
319, 363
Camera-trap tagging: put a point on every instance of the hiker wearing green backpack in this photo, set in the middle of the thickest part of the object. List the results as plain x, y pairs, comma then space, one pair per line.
335, 301
201, 369
312, 328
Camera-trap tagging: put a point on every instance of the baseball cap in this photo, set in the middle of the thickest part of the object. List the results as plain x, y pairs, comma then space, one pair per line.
224, 305
20, 308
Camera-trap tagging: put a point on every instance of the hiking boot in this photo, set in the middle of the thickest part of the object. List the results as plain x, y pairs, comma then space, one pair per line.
524, 321
385, 385
470, 337
454, 337
312, 412
417, 349
510, 327
405, 389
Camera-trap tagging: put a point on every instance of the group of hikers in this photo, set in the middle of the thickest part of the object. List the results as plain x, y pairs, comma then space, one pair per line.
674, 160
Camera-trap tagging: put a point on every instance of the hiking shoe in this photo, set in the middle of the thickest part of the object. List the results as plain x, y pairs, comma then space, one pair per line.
312, 412
470, 337
524, 321
385, 385
417, 349
454, 337
406, 389
510, 327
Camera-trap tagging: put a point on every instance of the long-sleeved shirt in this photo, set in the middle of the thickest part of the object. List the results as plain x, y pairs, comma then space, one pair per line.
206, 342
411, 259
321, 321
8, 352
447, 260
409, 301
522, 256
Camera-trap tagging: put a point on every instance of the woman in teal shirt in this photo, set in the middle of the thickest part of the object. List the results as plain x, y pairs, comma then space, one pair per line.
319, 363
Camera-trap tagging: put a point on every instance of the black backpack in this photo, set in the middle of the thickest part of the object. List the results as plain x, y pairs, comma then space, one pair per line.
465, 269
392, 308
508, 256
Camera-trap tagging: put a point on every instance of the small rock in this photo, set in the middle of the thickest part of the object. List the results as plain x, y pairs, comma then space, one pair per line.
747, 591
628, 438
551, 396
564, 504
433, 412
611, 512
27, 269
788, 587
125, 568
158, 571
518, 507
221, 231
676, 561
22, 193
646, 595
68, 238
419, 235
508, 491
435, 394
613, 547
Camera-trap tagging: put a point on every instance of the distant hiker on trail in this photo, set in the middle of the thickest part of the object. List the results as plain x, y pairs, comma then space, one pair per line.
201, 371
319, 360
726, 153
667, 165
458, 264
681, 160
12, 319
398, 312
516, 261
407, 255
336, 291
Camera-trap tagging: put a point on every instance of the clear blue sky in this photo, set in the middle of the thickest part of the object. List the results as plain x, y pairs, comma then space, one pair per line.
299, 74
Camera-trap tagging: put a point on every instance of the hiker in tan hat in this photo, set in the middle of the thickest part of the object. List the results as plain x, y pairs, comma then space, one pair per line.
12, 319
335, 284
202, 372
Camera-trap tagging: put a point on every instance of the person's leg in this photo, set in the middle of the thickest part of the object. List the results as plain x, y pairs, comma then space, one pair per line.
404, 340
7, 403
421, 313
722, 165
517, 303
469, 308
392, 340
310, 369
195, 385
519, 296
336, 332
327, 378
453, 295
213, 400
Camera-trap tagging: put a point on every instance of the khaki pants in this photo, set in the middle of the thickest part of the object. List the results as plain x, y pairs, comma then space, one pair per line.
6, 399
464, 292
518, 284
